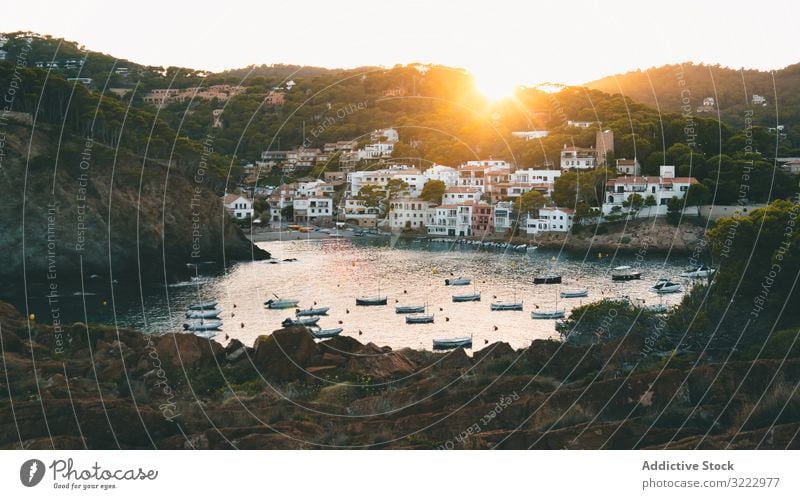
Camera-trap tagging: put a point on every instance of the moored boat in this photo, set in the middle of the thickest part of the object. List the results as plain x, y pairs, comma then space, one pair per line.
409, 309
467, 297
307, 312
281, 303
625, 273
205, 334
448, 343
575, 293
305, 321
497, 306
458, 281
548, 314
365, 301
419, 319
665, 286
326, 333
547, 279
203, 305
202, 325
699, 272
203, 314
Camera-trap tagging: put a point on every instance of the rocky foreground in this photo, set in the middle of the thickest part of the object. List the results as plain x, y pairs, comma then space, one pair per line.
99, 387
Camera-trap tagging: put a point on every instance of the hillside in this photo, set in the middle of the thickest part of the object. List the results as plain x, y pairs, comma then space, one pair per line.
670, 86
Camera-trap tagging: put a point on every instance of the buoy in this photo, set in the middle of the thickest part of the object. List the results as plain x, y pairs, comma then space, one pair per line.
32, 317
359, 332
242, 324
340, 322
495, 328
485, 342
447, 319
347, 310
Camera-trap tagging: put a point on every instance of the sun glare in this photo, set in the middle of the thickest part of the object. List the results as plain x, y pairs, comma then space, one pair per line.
494, 85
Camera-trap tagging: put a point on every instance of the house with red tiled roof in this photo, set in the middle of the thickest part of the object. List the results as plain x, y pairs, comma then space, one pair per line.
550, 219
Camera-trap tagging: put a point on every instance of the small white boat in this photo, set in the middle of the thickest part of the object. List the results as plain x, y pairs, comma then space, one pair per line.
458, 281
281, 303
202, 325
665, 286
446, 344
548, 314
305, 321
203, 314
497, 306
366, 301
205, 334
410, 309
575, 293
699, 272
326, 333
419, 319
467, 297
625, 273
203, 305
307, 312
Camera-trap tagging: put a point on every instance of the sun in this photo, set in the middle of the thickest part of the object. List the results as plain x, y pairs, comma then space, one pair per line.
494, 85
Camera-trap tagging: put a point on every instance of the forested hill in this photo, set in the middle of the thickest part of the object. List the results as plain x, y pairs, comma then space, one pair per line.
732, 89
439, 114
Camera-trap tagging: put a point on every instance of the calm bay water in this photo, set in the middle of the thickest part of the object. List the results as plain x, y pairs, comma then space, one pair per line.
332, 272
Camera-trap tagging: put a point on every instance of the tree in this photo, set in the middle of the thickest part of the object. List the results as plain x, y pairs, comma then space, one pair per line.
432, 191
634, 202
697, 195
674, 210
528, 202
394, 187
371, 195
287, 212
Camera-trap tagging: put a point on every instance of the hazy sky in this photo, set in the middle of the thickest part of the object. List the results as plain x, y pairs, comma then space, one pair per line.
502, 42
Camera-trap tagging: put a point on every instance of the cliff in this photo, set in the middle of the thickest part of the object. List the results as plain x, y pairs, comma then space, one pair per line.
73, 204
98, 387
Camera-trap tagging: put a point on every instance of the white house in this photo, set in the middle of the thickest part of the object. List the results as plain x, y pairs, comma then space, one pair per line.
503, 216
629, 167
238, 206
550, 220
312, 209
455, 195
578, 157
446, 174
451, 220
376, 151
410, 213
662, 188
384, 135
580, 124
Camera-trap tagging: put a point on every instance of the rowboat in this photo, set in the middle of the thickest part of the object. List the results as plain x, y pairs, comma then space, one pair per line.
458, 281
625, 273
305, 321
205, 334
281, 303
326, 333
410, 309
203, 305
448, 343
203, 314
202, 325
547, 279
306, 312
370, 301
497, 306
467, 297
575, 293
548, 314
419, 319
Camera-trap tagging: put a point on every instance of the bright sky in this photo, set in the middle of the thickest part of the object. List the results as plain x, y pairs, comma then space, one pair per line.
503, 42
